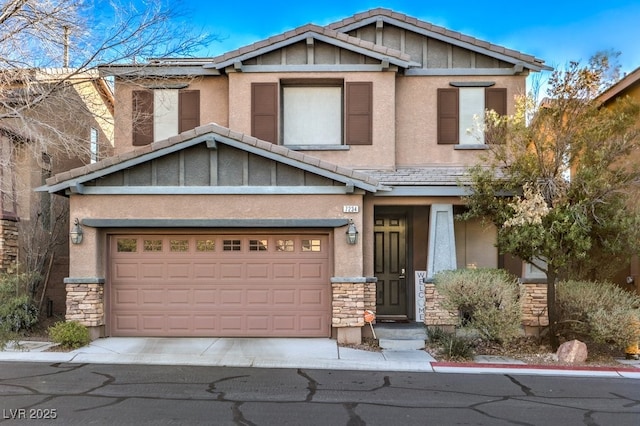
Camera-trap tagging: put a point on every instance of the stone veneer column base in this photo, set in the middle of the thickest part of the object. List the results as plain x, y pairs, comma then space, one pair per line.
434, 314
85, 303
534, 307
351, 297
8, 244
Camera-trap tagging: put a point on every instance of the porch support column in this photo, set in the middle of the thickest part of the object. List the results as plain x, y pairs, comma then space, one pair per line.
351, 297
442, 242
85, 303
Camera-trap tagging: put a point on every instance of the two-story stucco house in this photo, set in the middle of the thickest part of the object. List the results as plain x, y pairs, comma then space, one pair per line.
51, 120
629, 85
284, 188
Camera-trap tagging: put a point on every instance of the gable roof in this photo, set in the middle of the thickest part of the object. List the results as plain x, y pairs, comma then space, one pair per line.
434, 31
211, 134
630, 80
334, 34
316, 32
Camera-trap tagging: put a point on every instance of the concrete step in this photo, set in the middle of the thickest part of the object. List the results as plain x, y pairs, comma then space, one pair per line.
401, 344
401, 331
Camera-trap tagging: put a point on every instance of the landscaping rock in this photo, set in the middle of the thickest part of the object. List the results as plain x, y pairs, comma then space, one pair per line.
572, 352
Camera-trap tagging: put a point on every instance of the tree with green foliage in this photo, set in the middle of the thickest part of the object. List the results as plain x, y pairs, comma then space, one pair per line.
559, 178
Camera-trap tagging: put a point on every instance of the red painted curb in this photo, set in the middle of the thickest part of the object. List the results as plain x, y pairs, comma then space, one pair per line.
534, 366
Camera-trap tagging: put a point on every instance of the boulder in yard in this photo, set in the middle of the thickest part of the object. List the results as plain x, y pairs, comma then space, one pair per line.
572, 352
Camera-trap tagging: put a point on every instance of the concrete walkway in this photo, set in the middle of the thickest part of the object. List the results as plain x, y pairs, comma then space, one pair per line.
310, 353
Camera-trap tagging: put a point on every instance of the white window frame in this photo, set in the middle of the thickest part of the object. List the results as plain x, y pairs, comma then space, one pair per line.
471, 105
165, 113
93, 145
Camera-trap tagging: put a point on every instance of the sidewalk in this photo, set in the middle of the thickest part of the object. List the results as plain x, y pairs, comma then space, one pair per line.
286, 353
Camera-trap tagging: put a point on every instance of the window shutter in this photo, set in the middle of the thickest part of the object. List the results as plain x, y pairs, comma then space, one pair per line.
142, 117
495, 99
264, 111
448, 116
188, 110
359, 113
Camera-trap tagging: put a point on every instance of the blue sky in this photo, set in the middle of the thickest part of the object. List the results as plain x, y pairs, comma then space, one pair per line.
555, 32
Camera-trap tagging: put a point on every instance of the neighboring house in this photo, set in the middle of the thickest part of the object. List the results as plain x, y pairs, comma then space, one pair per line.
291, 184
71, 125
629, 85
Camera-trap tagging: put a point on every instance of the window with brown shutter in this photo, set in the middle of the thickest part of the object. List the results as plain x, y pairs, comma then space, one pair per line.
448, 116
359, 112
188, 110
264, 111
495, 99
142, 119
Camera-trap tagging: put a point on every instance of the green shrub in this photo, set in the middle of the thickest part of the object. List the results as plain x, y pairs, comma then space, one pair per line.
18, 313
599, 312
437, 334
450, 346
70, 334
457, 348
488, 301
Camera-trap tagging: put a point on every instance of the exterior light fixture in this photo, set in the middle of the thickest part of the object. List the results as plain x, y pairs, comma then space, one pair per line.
352, 233
76, 232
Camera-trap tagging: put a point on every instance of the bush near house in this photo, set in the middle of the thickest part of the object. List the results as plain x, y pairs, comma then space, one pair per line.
70, 334
597, 312
450, 346
18, 312
488, 300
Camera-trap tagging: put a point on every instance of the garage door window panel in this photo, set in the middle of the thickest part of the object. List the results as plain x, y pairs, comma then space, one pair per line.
258, 245
152, 245
205, 245
127, 245
231, 245
179, 246
285, 245
311, 245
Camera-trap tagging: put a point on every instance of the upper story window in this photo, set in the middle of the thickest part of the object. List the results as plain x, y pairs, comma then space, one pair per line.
162, 113
461, 112
314, 113
93, 145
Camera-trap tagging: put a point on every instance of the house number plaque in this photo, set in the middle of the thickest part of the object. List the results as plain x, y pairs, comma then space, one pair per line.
350, 209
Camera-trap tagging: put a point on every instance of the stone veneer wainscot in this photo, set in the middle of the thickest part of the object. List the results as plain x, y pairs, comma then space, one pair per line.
85, 303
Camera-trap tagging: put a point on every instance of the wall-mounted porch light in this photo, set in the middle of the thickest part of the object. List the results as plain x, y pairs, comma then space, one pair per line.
352, 233
76, 232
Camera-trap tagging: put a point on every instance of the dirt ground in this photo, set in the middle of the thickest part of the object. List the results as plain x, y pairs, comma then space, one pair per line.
526, 349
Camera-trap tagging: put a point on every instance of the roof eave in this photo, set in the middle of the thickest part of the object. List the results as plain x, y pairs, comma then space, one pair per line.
316, 36
533, 64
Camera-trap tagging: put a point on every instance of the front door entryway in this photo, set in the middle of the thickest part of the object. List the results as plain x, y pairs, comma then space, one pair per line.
390, 263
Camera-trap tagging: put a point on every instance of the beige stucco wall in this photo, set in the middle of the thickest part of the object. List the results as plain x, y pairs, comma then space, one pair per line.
89, 258
417, 122
214, 104
380, 154
404, 121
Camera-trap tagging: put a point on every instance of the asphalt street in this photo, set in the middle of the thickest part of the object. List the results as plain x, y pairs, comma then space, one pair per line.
74, 394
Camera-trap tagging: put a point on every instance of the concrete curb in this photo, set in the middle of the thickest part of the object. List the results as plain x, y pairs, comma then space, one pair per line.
547, 370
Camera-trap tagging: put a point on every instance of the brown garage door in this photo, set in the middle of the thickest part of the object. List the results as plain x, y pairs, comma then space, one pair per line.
219, 285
